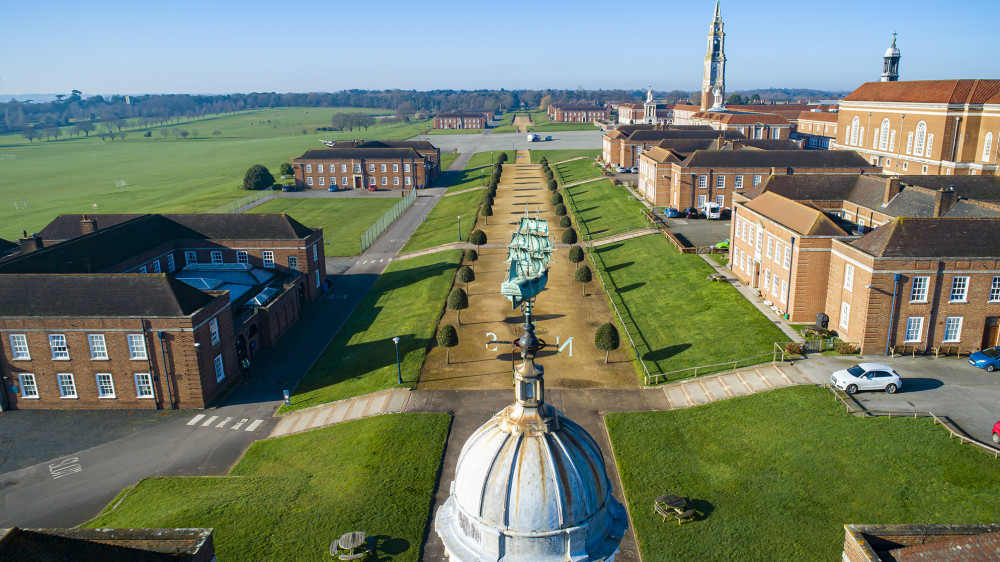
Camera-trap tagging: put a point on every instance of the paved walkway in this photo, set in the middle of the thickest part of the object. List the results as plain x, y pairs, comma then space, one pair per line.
572, 159
522, 121
622, 236
459, 163
392, 401
463, 191
702, 390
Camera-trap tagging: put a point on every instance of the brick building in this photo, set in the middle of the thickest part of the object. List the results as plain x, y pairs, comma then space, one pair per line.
370, 165
149, 311
577, 113
817, 129
923, 127
463, 120
751, 125
927, 276
622, 146
714, 175
630, 113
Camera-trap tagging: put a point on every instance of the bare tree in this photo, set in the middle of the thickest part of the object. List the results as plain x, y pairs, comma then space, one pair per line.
164, 133
216, 133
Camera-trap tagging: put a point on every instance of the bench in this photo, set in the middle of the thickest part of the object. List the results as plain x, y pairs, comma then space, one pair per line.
682, 517
947, 350
903, 350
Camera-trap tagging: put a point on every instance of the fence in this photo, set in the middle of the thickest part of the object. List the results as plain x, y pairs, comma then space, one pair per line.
244, 203
720, 367
385, 221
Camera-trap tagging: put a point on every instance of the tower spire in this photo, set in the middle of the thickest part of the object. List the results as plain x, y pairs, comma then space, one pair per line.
713, 85
890, 62
718, 11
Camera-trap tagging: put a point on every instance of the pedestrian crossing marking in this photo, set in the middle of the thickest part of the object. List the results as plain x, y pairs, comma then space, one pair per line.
196, 419
254, 425
209, 421
223, 423
245, 424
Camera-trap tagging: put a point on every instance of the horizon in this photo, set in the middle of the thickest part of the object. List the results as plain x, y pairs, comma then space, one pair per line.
213, 48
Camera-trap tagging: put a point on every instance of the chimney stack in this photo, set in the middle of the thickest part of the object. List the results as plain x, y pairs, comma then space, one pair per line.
892, 188
944, 199
30, 243
88, 225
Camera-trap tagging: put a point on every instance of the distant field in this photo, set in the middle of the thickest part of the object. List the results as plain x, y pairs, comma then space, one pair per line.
343, 220
78, 175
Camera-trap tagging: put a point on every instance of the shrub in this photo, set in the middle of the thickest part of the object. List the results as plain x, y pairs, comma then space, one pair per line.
560, 210
569, 236
471, 256
583, 276
487, 198
794, 348
458, 301
607, 339
576, 255
478, 237
465, 275
486, 211
257, 177
565, 222
844, 348
553, 185
556, 198
447, 337
286, 169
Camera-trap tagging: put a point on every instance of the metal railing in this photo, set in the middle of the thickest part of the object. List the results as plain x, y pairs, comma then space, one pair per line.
244, 203
750, 361
385, 221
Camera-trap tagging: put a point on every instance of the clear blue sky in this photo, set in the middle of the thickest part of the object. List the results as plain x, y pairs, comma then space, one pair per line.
220, 46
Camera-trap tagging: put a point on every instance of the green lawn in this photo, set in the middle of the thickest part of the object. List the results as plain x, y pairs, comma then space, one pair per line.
407, 301
447, 158
677, 317
504, 129
454, 131
721, 259
80, 175
475, 174
553, 126
561, 155
486, 159
289, 498
602, 208
575, 170
777, 475
441, 224
343, 220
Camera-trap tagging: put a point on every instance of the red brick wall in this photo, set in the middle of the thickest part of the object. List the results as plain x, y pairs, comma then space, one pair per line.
308, 170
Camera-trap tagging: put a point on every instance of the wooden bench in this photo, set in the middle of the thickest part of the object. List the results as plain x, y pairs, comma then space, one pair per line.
903, 350
682, 517
947, 350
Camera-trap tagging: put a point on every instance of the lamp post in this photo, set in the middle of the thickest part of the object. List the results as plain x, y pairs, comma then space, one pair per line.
460, 228
399, 371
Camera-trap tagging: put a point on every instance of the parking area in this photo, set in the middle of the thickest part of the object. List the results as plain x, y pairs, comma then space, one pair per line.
947, 386
699, 232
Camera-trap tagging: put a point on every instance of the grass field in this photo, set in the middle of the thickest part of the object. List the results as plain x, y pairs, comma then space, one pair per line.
289, 498
343, 220
486, 159
677, 317
561, 155
447, 159
75, 175
575, 170
600, 208
777, 475
721, 259
454, 131
407, 301
553, 126
441, 224
504, 129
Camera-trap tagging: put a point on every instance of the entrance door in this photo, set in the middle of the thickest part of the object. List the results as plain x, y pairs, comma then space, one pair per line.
991, 335
358, 184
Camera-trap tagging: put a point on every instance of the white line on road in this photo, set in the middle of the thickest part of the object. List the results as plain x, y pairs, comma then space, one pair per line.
196, 419
223, 423
239, 424
209, 421
254, 425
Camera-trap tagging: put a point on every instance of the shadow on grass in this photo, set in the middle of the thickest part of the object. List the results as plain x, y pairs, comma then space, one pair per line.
631, 287
385, 544
702, 508
609, 248
581, 211
617, 266
665, 352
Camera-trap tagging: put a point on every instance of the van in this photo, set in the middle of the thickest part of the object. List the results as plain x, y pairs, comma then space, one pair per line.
711, 210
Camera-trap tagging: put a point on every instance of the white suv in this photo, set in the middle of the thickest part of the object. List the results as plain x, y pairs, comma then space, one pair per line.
867, 376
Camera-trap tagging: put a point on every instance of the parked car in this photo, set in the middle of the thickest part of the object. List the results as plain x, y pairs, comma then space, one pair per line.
711, 210
691, 213
372, 188
996, 432
988, 359
671, 213
724, 245
289, 188
548, 138
867, 376
726, 214
621, 169
332, 188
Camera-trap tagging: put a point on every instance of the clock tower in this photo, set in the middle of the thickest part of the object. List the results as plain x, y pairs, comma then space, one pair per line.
713, 86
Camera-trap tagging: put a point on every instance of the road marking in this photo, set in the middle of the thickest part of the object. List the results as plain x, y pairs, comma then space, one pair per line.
65, 467
223, 423
254, 425
239, 424
209, 421
196, 419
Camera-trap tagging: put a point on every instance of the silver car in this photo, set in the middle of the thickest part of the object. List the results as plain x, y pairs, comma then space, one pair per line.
867, 376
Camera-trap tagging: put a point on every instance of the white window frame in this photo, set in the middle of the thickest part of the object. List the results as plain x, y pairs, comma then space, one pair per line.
756, 180
319, 169
242, 256
849, 277
914, 324
918, 288
170, 263
395, 168
317, 279
909, 142
770, 247
309, 181
954, 325
190, 257
995, 290
720, 182
892, 140
19, 347
28, 381
883, 136
343, 167
738, 182
216, 256
774, 284
293, 263
67, 385
987, 146
315, 252
309, 168
60, 352
406, 168
385, 180
855, 129
98, 347
108, 383
268, 257
137, 347
213, 330
920, 139
959, 289
787, 264
395, 180
703, 181
845, 315
383, 168
407, 180
767, 280
156, 267
144, 385
784, 292
220, 368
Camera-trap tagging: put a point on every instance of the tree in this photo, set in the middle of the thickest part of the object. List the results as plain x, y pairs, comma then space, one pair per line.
216, 133
487, 198
569, 236
607, 339
458, 301
560, 210
471, 256
544, 162
477, 238
404, 111
466, 275
83, 127
735, 99
576, 255
447, 338
583, 276
194, 133
51, 131
164, 133
556, 198
175, 132
553, 185
29, 133
286, 169
565, 222
257, 177
755, 98
486, 211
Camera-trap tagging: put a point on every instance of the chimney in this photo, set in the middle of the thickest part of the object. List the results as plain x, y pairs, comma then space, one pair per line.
892, 188
944, 199
88, 225
30, 243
